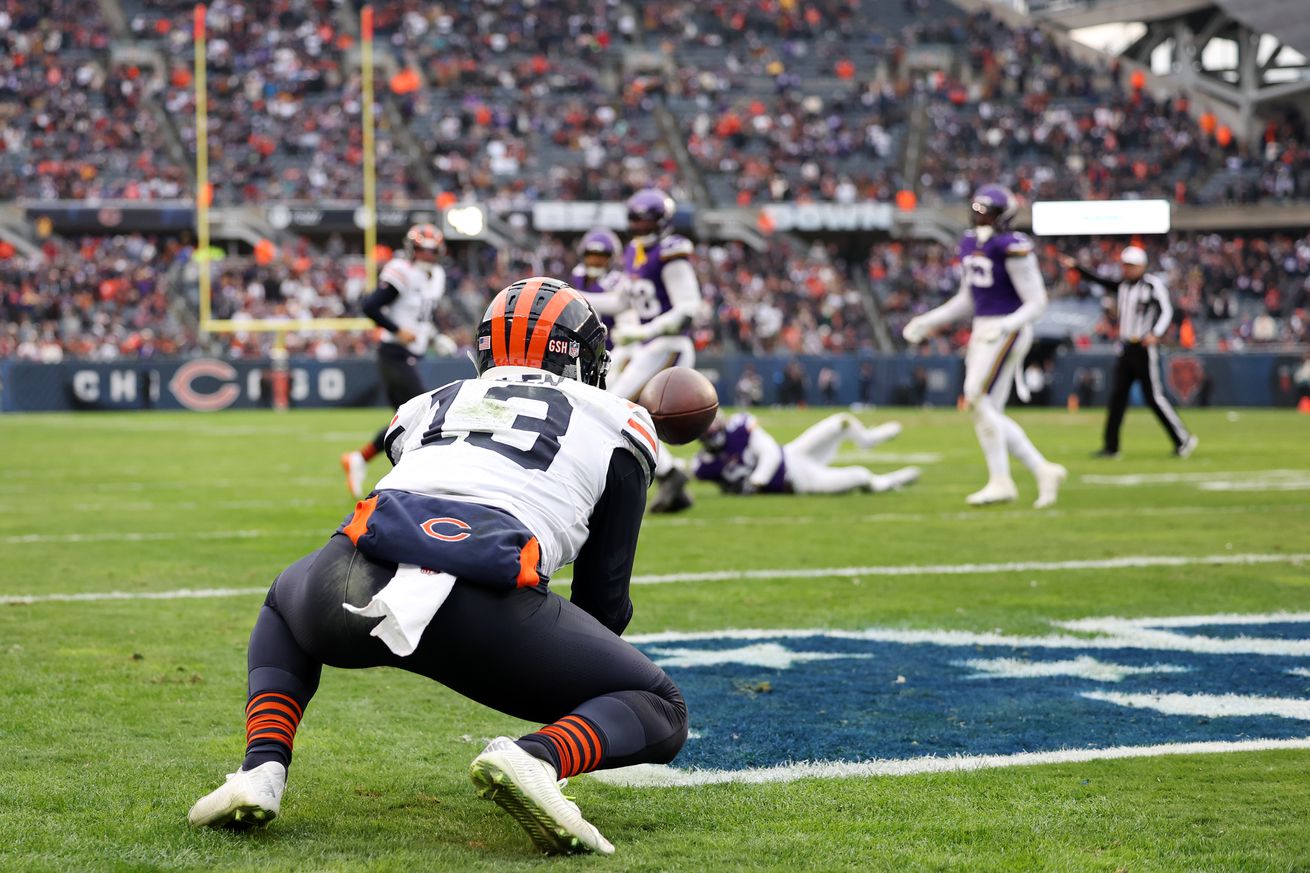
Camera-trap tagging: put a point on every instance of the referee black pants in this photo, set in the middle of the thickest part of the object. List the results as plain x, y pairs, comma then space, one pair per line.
1138, 362
530, 655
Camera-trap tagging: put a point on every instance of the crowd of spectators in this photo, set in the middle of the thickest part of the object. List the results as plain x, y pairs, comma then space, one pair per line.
133, 295
74, 125
1023, 110
517, 101
285, 101
98, 298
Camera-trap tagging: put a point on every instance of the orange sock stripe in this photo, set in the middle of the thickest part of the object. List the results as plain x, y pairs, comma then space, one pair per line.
592, 737
579, 744
272, 706
567, 760
273, 695
254, 726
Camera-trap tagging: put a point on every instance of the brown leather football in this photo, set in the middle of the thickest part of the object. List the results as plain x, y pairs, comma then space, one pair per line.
682, 403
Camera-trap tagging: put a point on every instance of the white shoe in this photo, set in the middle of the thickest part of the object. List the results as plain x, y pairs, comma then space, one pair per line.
526, 788
896, 479
1049, 480
1188, 446
248, 799
356, 467
995, 491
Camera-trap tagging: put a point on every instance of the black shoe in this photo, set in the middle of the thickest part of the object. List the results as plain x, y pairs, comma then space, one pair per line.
1106, 453
672, 495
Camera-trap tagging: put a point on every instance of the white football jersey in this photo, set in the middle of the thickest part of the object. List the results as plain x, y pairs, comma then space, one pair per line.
421, 287
523, 440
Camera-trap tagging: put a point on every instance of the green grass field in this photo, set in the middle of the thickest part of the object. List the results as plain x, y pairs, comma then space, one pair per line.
118, 714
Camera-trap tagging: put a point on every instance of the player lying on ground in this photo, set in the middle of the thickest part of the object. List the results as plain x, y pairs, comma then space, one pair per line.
740, 455
1003, 289
499, 481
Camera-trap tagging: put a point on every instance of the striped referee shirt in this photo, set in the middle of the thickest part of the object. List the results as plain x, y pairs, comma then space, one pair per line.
1144, 306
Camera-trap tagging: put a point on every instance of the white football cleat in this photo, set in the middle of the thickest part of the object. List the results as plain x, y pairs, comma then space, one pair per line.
995, 491
249, 798
896, 479
1049, 480
356, 467
1188, 446
526, 788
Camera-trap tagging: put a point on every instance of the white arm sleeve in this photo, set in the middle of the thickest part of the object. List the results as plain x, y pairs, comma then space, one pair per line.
1166, 309
684, 293
1029, 285
768, 451
957, 308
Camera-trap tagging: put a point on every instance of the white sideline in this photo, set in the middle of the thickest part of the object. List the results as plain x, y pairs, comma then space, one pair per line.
660, 776
1130, 562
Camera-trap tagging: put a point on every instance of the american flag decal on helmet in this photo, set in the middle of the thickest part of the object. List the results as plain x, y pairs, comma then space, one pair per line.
484, 343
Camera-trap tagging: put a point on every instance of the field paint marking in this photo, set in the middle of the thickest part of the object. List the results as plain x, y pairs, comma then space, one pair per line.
662, 776
1299, 671
769, 655
152, 536
713, 576
1302, 484
181, 594
1208, 705
1131, 479
973, 515
1118, 634
1127, 562
1082, 667
891, 457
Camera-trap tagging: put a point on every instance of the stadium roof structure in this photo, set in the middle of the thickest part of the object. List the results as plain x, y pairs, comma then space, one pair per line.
1272, 40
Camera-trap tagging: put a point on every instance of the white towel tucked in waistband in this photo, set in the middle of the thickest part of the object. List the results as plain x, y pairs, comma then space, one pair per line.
406, 604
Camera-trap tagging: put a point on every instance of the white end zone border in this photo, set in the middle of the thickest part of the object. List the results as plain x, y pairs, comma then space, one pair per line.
663, 776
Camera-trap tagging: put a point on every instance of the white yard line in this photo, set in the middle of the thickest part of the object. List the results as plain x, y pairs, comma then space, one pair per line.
1130, 479
154, 536
972, 515
1133, 562
1127, 562
657, 776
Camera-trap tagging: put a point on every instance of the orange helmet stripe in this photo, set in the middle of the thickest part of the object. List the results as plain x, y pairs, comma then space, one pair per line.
518, 335
545, 321
498, 330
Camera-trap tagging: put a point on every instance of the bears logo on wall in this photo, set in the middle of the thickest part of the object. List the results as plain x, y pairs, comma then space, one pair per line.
1186, 374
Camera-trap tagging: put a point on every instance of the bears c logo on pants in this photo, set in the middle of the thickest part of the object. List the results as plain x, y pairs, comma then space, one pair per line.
430, 528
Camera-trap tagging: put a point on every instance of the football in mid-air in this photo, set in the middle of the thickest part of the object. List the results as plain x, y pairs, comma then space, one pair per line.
682, 403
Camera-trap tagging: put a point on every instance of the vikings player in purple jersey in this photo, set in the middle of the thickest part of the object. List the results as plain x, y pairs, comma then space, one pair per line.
664, 295
1001, 286
742, 458
600, 277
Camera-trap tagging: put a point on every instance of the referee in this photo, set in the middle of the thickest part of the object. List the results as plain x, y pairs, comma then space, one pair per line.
1145, 314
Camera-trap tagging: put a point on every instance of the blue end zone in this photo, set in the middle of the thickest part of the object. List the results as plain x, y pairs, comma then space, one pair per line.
854, 700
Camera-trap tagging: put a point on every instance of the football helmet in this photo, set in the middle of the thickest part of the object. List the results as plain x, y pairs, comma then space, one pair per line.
650, 212
716, 435
426, 238
547, 324
599, 247
993, 206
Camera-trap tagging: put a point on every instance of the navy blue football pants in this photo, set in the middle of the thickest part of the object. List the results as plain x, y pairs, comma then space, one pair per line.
530, 655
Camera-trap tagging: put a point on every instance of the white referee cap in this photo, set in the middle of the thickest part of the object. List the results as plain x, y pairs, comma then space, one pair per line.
1133, 255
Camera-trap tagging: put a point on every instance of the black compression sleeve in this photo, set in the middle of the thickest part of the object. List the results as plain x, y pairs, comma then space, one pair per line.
603, 570
1107, 284
383, 295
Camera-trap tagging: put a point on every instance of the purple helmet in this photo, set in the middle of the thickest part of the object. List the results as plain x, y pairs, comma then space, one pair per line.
993, 205
650, 205
600, 241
